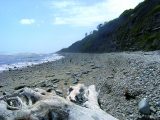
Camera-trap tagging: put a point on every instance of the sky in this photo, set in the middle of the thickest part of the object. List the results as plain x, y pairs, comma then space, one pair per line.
46, 26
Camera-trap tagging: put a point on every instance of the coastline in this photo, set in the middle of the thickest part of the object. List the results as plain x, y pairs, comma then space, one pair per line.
112, 73
19, 61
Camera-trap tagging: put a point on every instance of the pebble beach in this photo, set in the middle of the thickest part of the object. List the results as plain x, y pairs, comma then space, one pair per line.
122, 79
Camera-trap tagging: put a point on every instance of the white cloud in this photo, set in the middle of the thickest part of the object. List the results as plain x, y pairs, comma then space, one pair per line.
27, 21
63, 4
78, 13
119, 6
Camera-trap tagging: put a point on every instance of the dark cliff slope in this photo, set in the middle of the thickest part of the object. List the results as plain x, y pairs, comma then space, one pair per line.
135, 29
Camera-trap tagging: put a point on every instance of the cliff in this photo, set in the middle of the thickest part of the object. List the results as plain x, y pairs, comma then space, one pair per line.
135, 29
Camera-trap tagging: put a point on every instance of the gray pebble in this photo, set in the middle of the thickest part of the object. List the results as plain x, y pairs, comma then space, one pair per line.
144, 107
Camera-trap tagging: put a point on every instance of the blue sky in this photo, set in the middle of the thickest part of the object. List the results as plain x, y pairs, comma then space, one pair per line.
45, 26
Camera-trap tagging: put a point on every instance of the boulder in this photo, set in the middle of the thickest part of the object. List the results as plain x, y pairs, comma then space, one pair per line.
144, 107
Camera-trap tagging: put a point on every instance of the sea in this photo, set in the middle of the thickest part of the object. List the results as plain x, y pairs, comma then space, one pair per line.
22, 60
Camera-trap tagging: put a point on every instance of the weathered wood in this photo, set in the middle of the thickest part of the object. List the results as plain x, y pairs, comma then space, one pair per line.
38, 104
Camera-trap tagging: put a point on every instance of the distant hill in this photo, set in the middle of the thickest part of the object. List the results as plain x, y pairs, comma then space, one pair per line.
135, 29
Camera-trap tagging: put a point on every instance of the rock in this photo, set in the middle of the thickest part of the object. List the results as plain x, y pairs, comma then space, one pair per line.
55, 86
15, 67
129, 95
1, 86
68, 73
65, 82
47, 76
92, 65
6, 93
20, 87
75, 81
43, 84
10, 69
158, 104
79, 75
111, 76
158, 113
59, 92
49, 90
95, 66
153, 109
54, 81
85, 72
144, 107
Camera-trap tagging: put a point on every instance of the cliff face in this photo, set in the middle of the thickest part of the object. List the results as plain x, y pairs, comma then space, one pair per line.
135, 29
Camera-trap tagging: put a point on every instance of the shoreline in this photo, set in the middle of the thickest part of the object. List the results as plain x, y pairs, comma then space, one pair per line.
112, 73
20, 65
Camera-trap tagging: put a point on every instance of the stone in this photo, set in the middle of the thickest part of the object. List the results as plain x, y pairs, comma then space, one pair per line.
55, 81
158, 104
59, 92
153, 109
65, 82
75, 81
79, 75
43, 84
55, 86
111, 76
144, 107
6, 93
20, 87
92, 65
85, 72
47, 76
10, 69
158, 113
68, 73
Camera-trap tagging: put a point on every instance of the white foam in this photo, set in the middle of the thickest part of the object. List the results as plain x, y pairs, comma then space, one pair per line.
19, 65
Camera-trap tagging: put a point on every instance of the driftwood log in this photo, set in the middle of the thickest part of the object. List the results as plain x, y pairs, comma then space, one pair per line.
38, 104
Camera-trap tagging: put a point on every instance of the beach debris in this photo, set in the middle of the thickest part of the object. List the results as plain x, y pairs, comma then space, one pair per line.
38, 104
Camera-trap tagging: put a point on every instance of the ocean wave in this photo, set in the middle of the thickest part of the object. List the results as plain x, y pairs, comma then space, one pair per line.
18, 62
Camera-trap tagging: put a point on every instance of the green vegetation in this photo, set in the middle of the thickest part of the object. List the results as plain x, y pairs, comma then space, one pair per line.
155, 10
135, 29
127, 12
